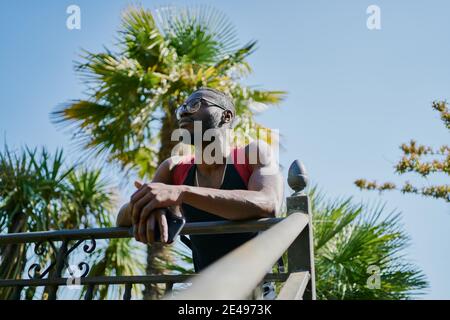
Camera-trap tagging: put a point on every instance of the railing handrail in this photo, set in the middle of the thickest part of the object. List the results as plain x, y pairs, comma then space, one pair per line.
210, 227
235, 275
111, 280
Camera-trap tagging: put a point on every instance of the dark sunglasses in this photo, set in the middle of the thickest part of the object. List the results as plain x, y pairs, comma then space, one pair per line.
193, 106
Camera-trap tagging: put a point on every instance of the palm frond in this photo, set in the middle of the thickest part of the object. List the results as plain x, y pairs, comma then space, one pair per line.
349, 239
143, 41
199, 34
38, 192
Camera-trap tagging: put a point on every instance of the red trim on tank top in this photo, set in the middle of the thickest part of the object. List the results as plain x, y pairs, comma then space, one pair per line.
240, 162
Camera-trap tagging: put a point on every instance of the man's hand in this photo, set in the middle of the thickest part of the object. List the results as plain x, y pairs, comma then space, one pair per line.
144, 203
144, 231
152, 196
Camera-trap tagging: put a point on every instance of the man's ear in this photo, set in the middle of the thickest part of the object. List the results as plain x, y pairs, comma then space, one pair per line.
227, 116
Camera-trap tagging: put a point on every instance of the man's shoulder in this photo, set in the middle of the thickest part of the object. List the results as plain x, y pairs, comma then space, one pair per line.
172, 162
178, 167
259, 153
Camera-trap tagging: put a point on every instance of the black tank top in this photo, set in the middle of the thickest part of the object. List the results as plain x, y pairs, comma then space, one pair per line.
206, 249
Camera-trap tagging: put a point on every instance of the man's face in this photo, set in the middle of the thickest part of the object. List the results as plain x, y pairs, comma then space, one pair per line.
210, 116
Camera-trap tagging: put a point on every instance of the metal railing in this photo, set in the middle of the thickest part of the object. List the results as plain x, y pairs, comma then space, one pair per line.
235, 276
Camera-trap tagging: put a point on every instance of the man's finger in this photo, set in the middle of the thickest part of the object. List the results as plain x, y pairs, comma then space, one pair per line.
163, 228
139, 193
151, 229
135, 231
142, 231
150, 206
138, 184
159, 214
137, 207
150, 209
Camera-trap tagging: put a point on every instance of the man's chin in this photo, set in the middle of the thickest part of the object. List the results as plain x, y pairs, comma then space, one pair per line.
186, 125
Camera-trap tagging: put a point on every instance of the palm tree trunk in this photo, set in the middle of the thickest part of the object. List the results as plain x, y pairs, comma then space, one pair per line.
13, 255
157, 252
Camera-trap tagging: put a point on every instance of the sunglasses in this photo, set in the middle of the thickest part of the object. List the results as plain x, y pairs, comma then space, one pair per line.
193, 106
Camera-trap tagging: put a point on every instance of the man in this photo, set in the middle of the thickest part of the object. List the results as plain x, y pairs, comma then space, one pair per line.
207, 192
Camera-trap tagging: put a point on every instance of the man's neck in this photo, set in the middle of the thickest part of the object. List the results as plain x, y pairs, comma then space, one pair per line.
207, 168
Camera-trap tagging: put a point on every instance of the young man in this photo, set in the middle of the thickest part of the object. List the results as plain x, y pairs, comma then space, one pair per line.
207, 192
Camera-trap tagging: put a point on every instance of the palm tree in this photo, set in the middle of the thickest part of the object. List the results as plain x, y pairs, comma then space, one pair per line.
132, 93
354, 246
38, 192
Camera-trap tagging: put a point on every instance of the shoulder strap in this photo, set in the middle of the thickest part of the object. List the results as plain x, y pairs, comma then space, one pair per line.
241, 163
181, 170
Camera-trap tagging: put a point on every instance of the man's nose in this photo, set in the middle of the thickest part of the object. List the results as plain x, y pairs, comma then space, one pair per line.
180, 112
184, 113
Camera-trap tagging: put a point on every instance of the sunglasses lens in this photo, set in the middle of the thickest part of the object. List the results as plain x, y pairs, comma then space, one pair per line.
179, 111
191, 107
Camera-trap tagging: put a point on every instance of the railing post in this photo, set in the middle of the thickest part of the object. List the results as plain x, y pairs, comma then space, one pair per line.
301, 251
59, 267
16, 293
89, 292
127, 293
169, 287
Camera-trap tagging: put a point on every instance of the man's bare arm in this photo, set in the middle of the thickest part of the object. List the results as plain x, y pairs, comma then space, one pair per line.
262, 199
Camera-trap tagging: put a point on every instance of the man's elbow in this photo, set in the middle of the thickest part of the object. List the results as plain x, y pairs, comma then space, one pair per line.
271, 210
276, 210
120, 222
123, 217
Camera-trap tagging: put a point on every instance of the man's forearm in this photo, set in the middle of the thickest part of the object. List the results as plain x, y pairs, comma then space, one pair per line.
230, 204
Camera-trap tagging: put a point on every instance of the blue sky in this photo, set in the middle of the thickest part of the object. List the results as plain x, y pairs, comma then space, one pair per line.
354, 95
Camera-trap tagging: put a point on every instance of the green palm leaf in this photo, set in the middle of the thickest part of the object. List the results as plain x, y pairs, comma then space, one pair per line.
351, 238
201, 35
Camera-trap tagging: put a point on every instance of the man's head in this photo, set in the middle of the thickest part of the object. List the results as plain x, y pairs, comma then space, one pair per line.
212, 107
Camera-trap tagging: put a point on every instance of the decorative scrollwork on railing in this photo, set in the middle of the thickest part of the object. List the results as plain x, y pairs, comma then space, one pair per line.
34, 271
91, 248
40, 249
86, 248
82, 266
